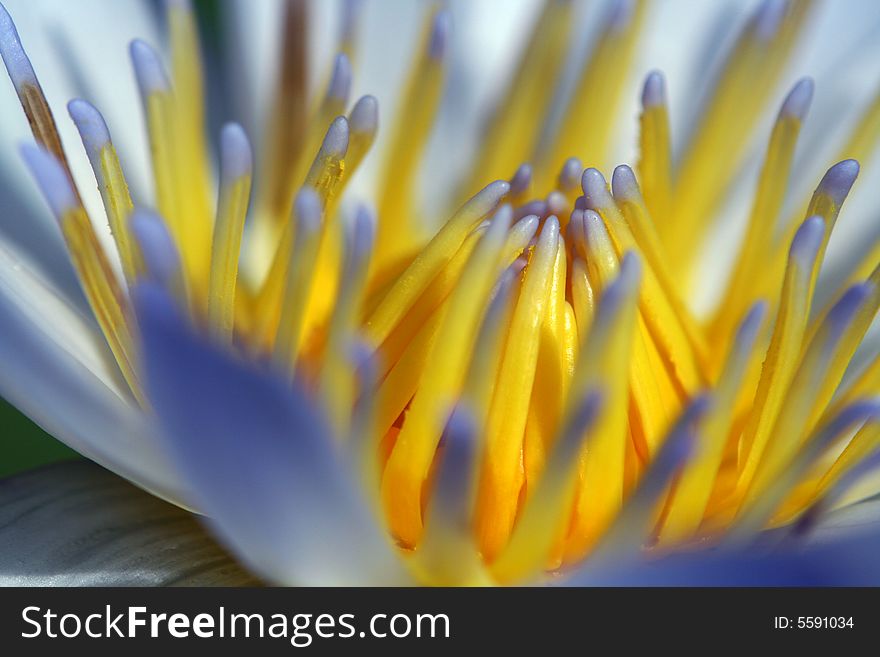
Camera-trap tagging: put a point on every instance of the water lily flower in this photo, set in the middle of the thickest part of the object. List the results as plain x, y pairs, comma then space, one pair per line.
516, 368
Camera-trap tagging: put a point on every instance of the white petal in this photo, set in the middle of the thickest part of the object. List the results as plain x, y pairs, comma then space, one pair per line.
57, 370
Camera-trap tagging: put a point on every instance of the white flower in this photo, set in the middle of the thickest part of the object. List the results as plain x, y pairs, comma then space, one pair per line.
563, 376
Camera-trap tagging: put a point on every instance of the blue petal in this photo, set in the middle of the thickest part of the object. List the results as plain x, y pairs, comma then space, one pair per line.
260, 458
851, 561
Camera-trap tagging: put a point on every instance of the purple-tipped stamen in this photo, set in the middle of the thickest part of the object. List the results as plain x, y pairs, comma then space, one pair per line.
340, 80
458, 460
838, 180
557, 203
21, 72
92, 129
807, 240
361, 232
521, 179
364, 117
797, 103
570, 175
235, 153
768, 18
654, 90
308, 211
441, 32
488, 198
148, 69
841, 314
624, 184
335, 142
596, 194
619, 14
51, 178
750, 326
160, 255
351, 12
536, 207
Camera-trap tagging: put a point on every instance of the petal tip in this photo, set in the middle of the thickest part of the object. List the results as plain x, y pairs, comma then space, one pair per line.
236, 155
157, 247
808, 239
340, 80
654, 90
839, 179
365, 115
335, 142
521, 179
570, 174
595, 188
441, 31
624, 184
148, 68
51, 178
797, 103
307, 207
21, 72
768, 18
90, 124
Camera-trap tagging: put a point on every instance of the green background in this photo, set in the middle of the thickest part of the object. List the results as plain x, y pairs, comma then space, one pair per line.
24, 445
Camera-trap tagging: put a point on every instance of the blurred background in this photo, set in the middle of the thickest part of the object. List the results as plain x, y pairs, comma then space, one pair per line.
24, 445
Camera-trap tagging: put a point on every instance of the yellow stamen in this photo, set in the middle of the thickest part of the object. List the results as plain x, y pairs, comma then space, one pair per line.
551, 384
232, 205
407, 347
512, 131
191, 149
582, 298
811, 387
677, 346
545, 511
655, 151
820, 370
337, 384
398, 233
586, 128
414, 449
600, 492
865, 442
111, 183
642, 227
102, 290
502, 474
89, 259
447, 555
163, 128
785, 346
300, 274
759, 509
750, 278
691, 494
430, 261
325, 178
824, 478
488, 350
331, 106
749, 76
865, 384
